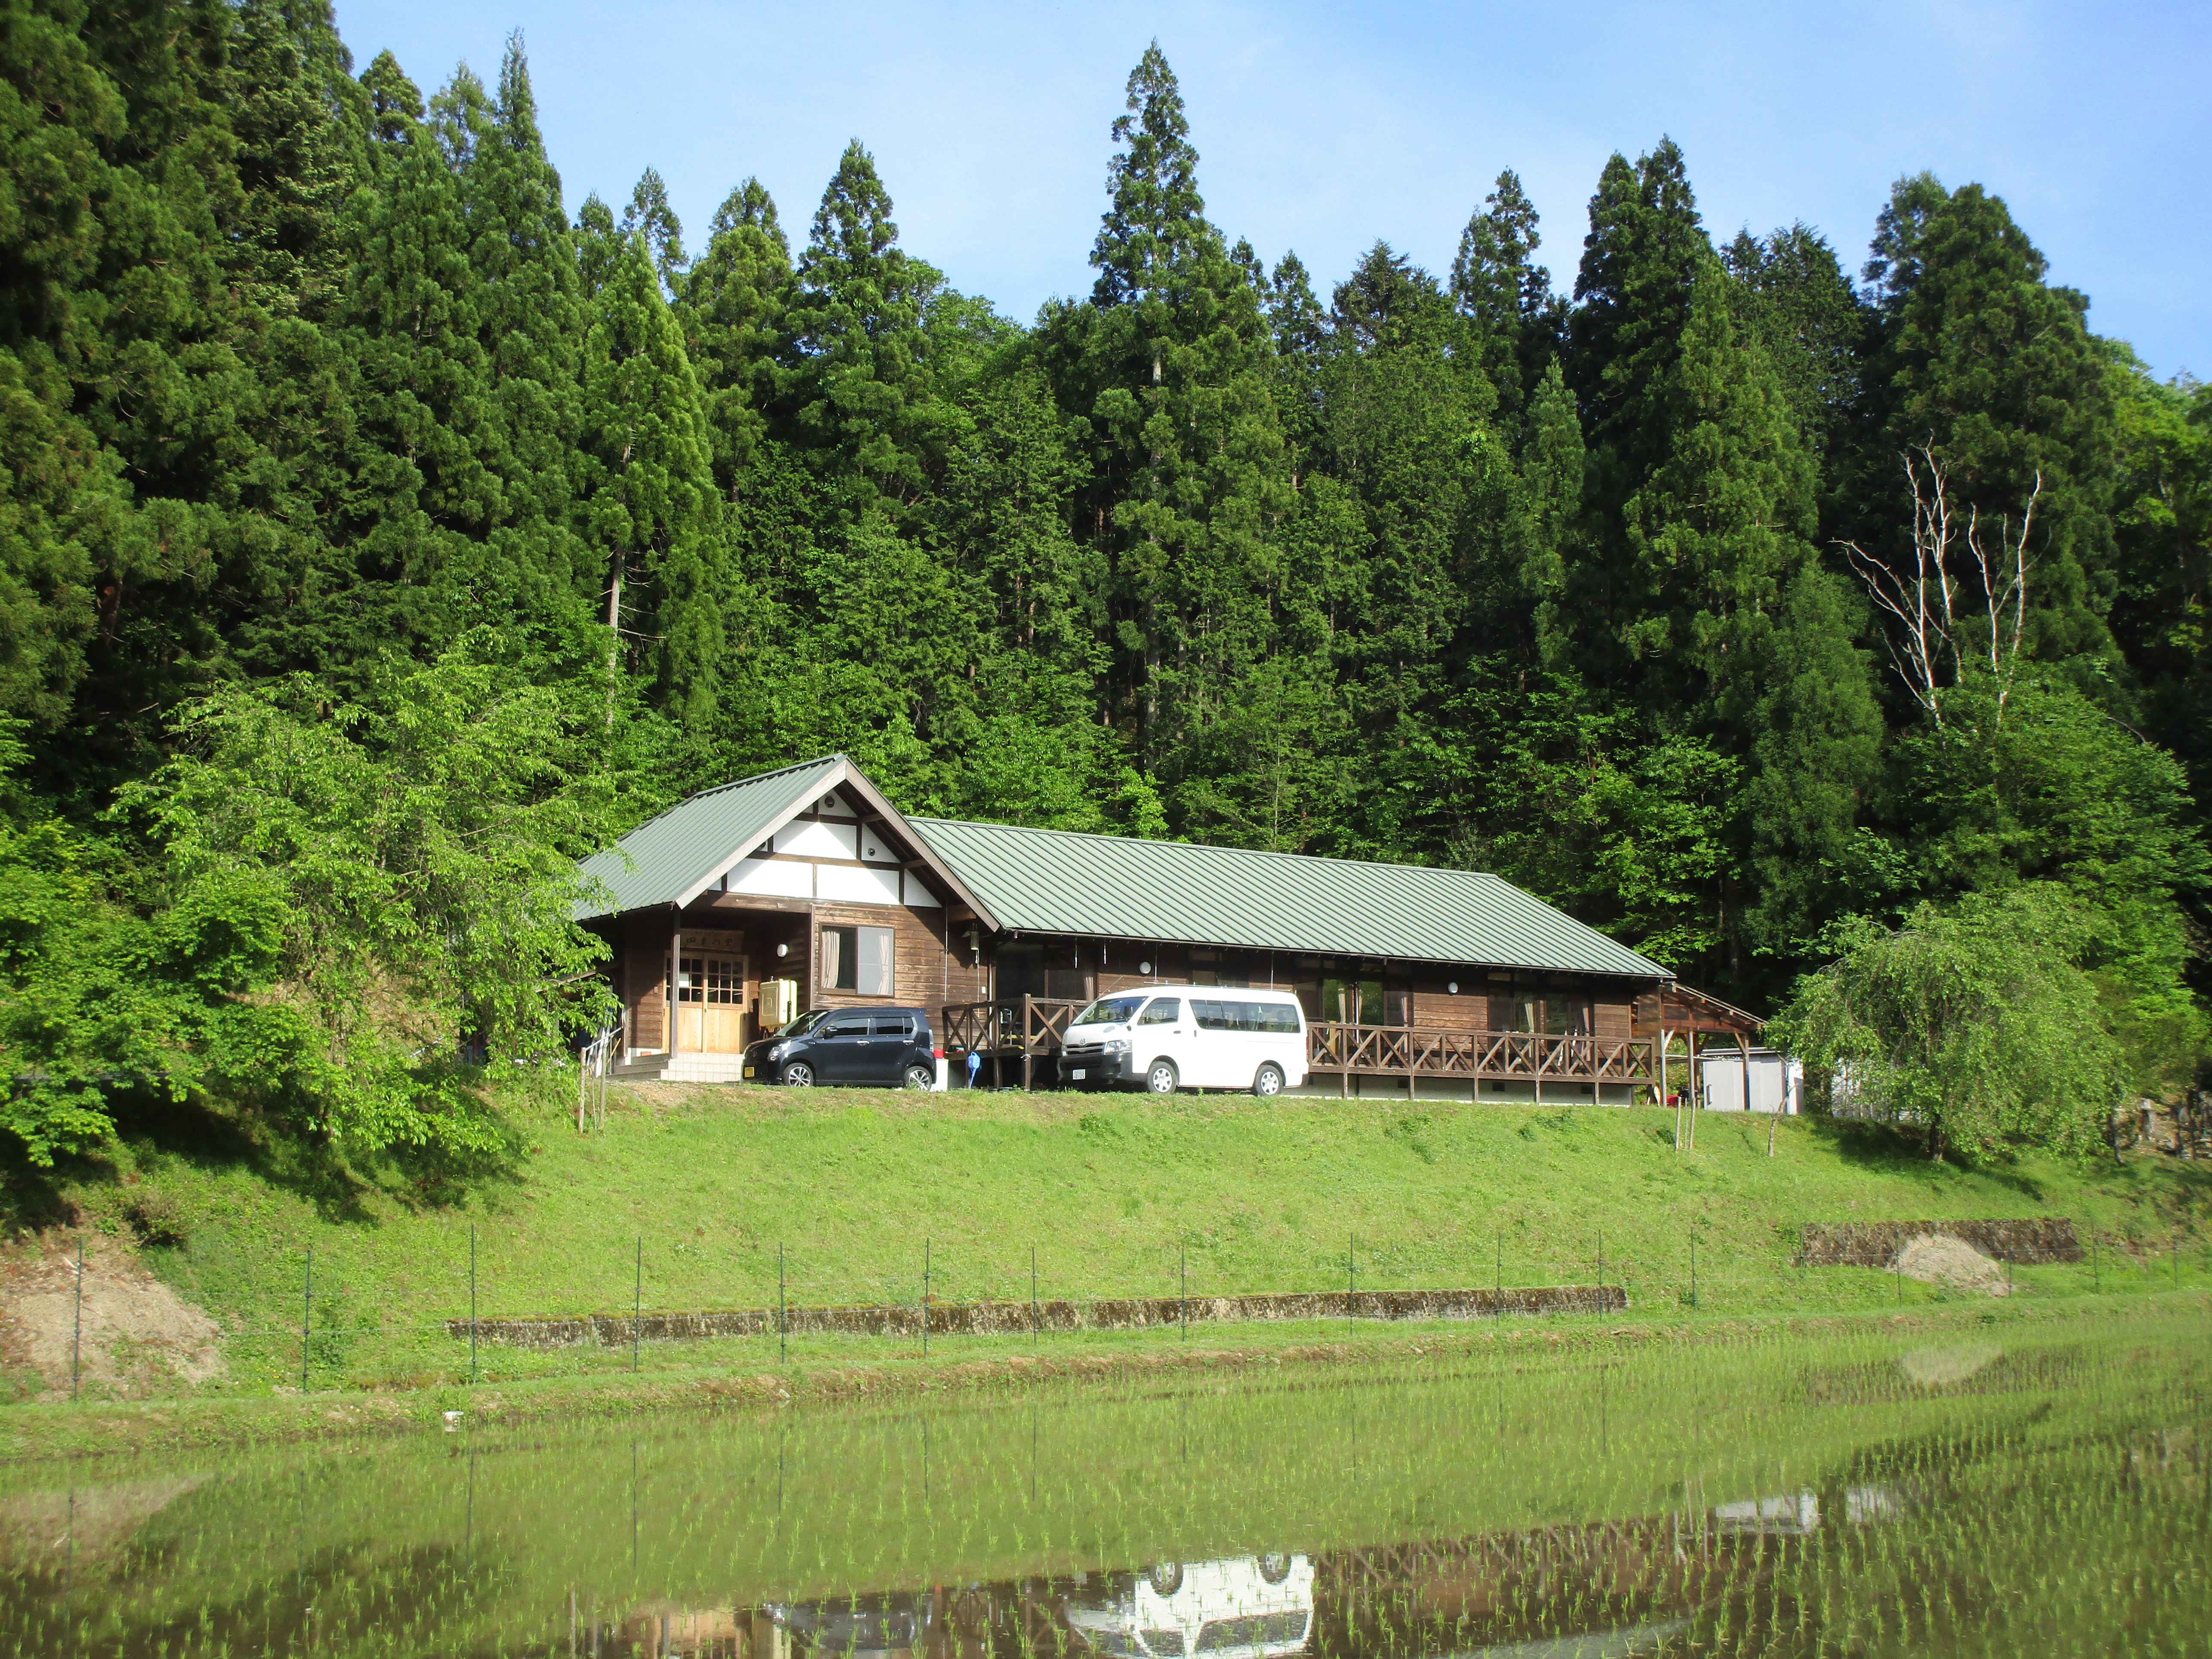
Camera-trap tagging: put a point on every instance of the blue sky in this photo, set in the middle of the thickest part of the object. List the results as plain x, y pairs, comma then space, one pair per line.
1321, 128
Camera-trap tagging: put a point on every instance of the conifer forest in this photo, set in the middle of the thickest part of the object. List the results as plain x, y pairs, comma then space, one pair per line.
380, 530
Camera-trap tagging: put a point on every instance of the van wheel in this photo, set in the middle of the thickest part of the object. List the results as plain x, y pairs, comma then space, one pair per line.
1162, 1080
1164, 1576
1275, 1568
920, 1077
798, 1075
1270, 1080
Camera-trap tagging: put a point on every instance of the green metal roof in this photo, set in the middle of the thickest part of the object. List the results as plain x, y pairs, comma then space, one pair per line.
669, 860
1053, 881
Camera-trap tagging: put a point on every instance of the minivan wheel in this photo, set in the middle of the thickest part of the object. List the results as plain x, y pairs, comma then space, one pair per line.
919, 1076
1162, 1080
798, 1075
1270, 1080
1165, 1576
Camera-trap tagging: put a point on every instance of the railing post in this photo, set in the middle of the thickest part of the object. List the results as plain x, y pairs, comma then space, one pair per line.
1029, 1011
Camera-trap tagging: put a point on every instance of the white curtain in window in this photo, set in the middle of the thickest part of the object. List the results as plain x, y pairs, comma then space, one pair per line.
833, 942
875, 974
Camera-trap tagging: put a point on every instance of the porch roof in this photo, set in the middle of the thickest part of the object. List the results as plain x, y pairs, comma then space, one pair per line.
1057, 881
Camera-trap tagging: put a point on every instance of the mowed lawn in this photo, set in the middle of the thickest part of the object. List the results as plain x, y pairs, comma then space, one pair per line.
696, 1198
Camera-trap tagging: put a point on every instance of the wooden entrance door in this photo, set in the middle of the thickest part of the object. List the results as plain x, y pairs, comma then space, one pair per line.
710, 1004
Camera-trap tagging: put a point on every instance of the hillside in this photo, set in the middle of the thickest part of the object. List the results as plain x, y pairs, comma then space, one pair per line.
687, 1200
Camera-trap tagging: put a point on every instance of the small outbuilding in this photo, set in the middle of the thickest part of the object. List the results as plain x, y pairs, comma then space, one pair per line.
745, 905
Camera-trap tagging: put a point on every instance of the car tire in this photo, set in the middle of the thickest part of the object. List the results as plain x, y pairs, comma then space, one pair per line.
1161, 1078
1275, 1568
1164, 1576
919, 1076
1269, 1081
798, 1075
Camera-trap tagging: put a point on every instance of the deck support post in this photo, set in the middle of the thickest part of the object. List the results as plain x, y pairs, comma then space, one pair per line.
675, 982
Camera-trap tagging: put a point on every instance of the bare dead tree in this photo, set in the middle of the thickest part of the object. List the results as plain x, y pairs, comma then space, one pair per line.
1928, 635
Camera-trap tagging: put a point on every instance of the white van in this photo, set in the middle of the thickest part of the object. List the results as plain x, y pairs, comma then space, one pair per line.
1189, 1036
1258, 1607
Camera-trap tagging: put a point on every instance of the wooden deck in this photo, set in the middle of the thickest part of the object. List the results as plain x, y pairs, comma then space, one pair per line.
1031, 1030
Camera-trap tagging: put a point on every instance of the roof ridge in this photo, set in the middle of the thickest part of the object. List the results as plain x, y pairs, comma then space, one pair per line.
1203, 845
734, 783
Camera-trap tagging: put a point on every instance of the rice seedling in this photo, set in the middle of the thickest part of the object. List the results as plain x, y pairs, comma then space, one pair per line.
1867, 1493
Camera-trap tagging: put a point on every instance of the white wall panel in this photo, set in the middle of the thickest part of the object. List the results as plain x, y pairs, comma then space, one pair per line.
772, 878
856, 886
817, 840
918, 896
873, 850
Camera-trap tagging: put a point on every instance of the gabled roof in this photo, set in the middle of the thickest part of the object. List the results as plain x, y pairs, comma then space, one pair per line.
1054, 881
674, 857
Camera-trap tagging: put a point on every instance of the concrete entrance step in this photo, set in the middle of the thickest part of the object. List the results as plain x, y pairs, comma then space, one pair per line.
684, 1068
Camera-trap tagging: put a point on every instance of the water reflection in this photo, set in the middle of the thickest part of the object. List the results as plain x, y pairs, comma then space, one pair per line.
1873, 1503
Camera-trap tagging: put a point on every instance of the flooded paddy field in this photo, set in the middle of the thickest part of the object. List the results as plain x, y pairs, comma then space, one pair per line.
1999, 1492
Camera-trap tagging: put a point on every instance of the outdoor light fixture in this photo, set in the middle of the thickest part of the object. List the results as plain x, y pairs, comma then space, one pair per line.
1452, 989
783, 950
1143, 967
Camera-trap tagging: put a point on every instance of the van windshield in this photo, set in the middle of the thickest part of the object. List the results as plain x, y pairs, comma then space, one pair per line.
806, 1023
1111, 1011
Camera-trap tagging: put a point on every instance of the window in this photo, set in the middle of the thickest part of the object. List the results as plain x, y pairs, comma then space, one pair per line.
846, 1025
857, 959
1270, 1017
894, 1025
710, 979
1164, 1011
1111, 1011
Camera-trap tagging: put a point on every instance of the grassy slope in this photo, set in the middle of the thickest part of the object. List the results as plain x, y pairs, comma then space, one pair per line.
1112, 1193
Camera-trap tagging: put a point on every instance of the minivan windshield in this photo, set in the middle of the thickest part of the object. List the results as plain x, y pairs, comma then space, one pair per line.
806, 1023
1111, 1011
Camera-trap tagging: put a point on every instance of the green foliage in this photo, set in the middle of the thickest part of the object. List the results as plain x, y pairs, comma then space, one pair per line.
349, 899
1974, 1023
303, 372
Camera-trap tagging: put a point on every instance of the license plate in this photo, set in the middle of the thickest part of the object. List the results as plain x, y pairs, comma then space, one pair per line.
1079, 1074
749, 1071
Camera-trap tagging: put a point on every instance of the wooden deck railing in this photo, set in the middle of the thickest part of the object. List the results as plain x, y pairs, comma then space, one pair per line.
1035, 1028
1516, 1056
1030, 1027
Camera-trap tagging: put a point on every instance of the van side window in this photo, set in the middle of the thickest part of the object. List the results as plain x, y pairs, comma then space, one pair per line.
1161, 1011
1279, 1017
1213, 1016
846, 1025
895, 1026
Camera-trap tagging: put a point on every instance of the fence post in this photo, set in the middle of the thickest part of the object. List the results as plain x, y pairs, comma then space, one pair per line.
2096, 1271
1693, 1267
1034, 1310
1600, 1273
1186, 1291
637, 1307
1351, 1279
307, 1313
472, 1302
76, 1334
925, 1264
783, 1319
1497, 1295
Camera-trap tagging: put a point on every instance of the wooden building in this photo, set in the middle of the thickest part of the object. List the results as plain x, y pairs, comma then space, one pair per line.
804, 888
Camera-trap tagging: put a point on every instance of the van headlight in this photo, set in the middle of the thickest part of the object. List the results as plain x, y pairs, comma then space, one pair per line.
1115, 1046
778, 1050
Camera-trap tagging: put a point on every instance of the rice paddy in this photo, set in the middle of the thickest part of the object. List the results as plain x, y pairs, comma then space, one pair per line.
1992, 1489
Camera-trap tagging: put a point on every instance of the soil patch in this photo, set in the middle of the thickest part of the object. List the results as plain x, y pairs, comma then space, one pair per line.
138, 1337
1876, 1243
1953, 1263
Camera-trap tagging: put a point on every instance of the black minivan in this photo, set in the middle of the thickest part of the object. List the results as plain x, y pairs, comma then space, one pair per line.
885, 1047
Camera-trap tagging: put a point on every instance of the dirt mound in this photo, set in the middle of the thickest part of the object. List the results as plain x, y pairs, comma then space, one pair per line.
1951, 1262
139, 1336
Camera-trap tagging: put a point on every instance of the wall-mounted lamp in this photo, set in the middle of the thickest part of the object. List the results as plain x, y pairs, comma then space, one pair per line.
1143, 967
1452, 989
783, 950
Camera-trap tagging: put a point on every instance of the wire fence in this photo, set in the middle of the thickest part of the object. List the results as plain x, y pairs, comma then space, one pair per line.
352, 1323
